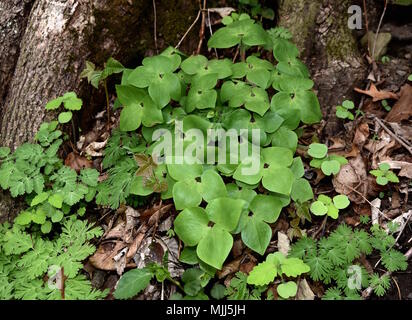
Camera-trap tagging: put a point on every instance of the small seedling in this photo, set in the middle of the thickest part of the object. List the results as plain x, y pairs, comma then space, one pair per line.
70, 102
328, 164
385, 59
342, 112
386, 106
384, 175
325, 205
364, 219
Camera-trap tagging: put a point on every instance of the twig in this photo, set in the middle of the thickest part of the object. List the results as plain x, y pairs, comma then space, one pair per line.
155, 26
321, 228
188, 30
397, 238
367, 292
365, 13
397, 286
210, 30
236, 54
62, 283
202, 26
377, 30
370, 203
107, 102
389, 131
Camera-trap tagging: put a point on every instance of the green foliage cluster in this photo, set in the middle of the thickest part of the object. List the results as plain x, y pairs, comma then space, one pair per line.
27, 258
212, 94
34, 170
331, 259
343, 111
325, 205
329, 164
384, 175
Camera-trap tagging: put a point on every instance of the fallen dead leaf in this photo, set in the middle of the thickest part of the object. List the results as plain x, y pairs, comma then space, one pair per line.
77, 162
376, 94
283, 243
402, 110
352, 176
304, 291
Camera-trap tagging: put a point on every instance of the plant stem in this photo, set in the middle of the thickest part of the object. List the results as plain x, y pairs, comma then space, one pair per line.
107, 101
242, 52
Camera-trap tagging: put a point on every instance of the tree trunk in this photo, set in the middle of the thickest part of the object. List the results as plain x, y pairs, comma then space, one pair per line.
44, 59
13, 20
329, 48
61, 35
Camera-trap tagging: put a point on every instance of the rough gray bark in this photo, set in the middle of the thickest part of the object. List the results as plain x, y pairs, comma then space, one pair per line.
329, 48
13, 19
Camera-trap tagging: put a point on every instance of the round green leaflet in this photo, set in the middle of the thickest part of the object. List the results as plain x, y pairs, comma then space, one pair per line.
266, 207
285, 138
317, 150
277, 156
184, 171
304, 101
191, 225
330, 167
186, 194
341, 201
65, 117
301, 191
318, 208
215, 246
238, 32
287, 290
284, 50
225, 212
243, 172
278, 180
256, 234
130, 118
212, 186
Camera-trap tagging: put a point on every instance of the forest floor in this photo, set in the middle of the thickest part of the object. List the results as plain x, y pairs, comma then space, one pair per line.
381, 132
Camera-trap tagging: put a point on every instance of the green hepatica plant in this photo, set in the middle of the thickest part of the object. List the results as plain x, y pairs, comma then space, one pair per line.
173, 102
329, 164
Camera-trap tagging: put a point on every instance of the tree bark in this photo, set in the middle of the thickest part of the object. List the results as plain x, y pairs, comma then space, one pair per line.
13, 20
329, 48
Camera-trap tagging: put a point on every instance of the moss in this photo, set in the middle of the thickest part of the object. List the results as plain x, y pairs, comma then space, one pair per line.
299, 16
341, 43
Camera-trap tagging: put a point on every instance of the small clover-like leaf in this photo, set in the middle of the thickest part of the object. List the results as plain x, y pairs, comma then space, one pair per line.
330, 167
318, 208
318, 150
65, 117
287, 290
341, 201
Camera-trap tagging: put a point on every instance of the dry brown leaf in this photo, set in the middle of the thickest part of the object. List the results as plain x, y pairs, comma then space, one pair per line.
376, 94
352, 176
402, 110
77, 162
